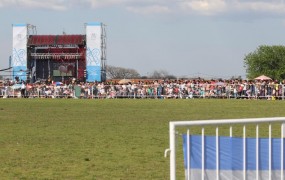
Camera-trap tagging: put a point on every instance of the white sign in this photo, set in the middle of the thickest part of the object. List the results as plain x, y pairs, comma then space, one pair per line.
93, 40
19, 57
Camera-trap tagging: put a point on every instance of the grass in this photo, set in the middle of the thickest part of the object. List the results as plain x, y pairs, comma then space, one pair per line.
120, 139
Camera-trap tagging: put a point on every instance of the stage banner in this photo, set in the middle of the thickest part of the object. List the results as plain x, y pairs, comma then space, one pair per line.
19, 57
93, 51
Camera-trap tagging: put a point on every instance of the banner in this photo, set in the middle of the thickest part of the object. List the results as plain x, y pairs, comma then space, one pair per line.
231, 163
19, 56
93, 51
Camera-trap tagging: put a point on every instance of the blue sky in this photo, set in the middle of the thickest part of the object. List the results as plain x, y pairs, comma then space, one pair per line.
207, 38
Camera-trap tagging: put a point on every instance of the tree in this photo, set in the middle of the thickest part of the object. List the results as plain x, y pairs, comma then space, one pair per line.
267, 60
161, 74
114, 72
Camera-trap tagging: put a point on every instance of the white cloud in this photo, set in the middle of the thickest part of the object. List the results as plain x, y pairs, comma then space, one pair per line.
214, 7
57, 5
104, 3
261, 6
155, 9
204, 7
5, 2
207, 7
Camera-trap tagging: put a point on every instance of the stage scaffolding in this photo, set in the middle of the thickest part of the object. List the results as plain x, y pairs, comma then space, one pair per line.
56, 57
42, 57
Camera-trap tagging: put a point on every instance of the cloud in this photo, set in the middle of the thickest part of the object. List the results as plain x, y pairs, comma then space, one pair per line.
57, 5
4, 3
104, 3
154, 9
216, 7
202, 7
260, 6
206, 7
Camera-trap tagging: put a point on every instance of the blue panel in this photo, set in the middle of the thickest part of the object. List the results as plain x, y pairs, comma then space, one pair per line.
276, 154
237, 153
19, 25
94, 24
184, 138
93, 73
225, 153
263, 154
20, 71
251, 153
231, 153
195, 150
210, 152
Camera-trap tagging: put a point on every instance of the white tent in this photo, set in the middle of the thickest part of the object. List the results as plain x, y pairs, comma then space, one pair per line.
262, 77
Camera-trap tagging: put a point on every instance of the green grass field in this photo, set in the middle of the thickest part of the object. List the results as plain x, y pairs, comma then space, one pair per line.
120, 139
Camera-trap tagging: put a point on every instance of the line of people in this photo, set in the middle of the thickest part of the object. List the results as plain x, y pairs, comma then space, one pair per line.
183, 89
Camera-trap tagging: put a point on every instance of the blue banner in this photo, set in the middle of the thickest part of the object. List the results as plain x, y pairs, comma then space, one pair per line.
93, 73
231, 157
20, 71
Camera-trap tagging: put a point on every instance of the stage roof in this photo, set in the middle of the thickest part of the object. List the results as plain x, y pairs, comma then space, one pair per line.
54, 40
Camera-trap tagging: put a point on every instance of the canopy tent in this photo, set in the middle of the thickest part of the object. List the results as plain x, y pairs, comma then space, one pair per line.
262, 77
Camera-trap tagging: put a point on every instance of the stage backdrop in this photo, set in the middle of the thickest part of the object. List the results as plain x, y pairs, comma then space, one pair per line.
93, 54
19, 57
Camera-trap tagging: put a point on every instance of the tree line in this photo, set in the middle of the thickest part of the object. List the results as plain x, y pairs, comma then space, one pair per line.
114, 72
265, 60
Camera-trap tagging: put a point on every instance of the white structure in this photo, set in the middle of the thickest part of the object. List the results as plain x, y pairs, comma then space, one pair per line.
20, 40
19, 57
95, 51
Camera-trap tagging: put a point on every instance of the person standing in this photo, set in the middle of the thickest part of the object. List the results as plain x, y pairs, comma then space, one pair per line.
23, 89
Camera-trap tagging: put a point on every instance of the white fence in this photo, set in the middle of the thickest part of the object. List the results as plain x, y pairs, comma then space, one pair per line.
244, 154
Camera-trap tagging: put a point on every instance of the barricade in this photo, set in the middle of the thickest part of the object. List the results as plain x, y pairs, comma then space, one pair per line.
221, 157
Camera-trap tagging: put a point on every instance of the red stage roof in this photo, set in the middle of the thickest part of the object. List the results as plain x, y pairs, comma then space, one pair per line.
44, 40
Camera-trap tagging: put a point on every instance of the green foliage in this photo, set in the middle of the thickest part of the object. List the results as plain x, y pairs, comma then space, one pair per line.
106, 139
267, 60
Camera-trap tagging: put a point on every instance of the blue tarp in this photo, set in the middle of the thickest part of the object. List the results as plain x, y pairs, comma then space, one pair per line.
231, 153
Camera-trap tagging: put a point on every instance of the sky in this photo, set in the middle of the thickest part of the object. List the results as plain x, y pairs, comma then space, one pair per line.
186, 38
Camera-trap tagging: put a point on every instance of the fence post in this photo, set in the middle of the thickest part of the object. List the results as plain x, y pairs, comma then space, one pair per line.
172, 151
92, 91
282, 91
282, 149
5, 92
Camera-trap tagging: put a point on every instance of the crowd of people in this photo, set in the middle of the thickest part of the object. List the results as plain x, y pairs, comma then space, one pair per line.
182, 89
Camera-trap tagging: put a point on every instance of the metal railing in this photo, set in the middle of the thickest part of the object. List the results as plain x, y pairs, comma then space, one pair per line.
202, 123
